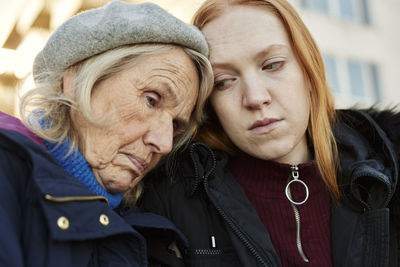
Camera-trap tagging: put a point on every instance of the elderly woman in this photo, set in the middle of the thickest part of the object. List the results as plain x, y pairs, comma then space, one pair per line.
116, 88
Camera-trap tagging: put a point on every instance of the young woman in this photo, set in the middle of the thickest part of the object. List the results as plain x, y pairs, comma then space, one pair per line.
280, 178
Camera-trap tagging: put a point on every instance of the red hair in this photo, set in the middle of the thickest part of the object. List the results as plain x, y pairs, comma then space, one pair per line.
322, 111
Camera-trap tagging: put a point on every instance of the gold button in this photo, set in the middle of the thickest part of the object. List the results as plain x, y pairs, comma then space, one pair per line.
63, 223
104, 220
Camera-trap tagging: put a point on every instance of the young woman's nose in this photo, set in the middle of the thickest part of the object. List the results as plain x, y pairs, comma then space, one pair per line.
255, 93
160, 136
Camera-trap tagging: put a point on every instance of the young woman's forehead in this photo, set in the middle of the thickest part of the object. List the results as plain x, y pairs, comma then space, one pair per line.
245, 29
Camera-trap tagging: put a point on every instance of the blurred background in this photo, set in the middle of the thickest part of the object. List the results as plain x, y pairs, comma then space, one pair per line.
360, 41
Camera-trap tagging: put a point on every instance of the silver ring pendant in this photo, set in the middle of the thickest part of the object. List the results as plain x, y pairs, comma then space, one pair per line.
288, 195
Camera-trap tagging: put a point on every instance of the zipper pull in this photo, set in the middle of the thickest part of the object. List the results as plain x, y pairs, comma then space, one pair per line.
213, 243
295, 176
295, 171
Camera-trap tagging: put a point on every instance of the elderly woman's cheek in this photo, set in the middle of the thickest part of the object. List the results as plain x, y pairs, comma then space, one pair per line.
115, 179
101, 152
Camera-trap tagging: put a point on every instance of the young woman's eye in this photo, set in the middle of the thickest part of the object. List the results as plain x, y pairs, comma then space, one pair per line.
273, 65
222, 83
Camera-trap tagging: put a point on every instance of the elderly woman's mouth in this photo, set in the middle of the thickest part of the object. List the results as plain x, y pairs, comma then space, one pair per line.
139, 164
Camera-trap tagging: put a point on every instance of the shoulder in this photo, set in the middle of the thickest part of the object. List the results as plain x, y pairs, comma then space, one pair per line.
16, 172
10, 123
389, 121
386, 120
25, 162
14, 168
369, 131
16, 144
14, 153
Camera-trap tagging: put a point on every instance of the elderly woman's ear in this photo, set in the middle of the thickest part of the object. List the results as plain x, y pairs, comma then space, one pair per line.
68, 84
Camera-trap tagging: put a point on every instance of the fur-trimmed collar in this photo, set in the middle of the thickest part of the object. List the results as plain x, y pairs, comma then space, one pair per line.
389, 121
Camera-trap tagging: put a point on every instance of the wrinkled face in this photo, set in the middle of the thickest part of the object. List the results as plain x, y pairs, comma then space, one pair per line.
260, 95
149, 104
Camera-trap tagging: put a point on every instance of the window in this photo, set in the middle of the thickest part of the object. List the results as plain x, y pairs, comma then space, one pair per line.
356, 78
318, 5
374, 71
331, 73
353, 81
364, 81
355, 10
349, 10
366, 18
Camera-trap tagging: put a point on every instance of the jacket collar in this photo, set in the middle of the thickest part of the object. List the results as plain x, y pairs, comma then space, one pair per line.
197, 161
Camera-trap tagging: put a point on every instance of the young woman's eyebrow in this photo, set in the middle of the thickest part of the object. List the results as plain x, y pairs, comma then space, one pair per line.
270, 49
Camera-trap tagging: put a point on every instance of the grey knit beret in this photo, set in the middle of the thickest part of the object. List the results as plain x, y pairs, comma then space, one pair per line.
116, 24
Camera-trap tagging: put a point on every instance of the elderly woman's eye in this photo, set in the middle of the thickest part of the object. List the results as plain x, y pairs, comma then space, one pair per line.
152, 99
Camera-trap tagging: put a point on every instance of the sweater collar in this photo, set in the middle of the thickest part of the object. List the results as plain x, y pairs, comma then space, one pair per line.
264, 177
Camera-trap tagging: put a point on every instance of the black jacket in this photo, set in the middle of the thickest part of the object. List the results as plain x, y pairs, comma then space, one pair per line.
204, 200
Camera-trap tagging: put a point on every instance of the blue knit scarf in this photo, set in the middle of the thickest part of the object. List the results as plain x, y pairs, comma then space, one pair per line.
76, 165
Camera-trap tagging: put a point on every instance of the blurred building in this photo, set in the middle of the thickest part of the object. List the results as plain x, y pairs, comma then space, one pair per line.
360, 41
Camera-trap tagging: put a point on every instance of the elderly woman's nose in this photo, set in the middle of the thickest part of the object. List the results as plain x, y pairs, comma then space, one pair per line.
160, 136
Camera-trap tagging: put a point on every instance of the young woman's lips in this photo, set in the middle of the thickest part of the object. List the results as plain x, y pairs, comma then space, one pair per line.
140, 166
264, 126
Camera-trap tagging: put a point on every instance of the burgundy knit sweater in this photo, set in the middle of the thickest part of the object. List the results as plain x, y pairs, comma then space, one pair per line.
264, 183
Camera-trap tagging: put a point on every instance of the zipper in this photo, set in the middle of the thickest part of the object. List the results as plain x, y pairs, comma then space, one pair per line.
207, 252
227, 219
210, 224
295, 176
236, 230
298, 234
